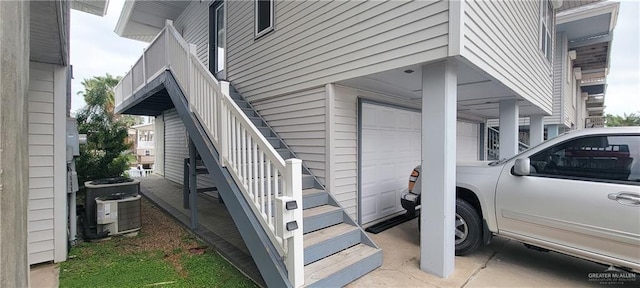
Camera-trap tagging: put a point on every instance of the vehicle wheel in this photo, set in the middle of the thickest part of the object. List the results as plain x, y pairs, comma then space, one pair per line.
468, 231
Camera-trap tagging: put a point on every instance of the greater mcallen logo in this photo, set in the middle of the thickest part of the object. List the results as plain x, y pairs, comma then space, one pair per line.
613, 276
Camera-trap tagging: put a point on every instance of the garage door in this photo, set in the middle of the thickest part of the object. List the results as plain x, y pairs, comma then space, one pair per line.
467, 141
390, 150
391, 140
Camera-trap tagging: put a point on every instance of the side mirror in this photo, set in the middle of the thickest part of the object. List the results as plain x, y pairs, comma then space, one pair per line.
522, 167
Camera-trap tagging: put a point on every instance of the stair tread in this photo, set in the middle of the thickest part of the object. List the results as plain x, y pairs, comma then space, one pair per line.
312, 191
319, 210
325, 234
325, 267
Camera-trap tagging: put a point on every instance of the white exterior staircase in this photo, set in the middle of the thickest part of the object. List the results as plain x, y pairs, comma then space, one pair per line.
312, 237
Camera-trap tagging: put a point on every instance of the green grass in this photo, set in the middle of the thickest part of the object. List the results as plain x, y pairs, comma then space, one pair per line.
117, 263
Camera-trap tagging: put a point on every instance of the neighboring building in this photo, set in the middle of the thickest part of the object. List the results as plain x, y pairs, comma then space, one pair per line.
35, 107
143, 144
584, 33
357, 90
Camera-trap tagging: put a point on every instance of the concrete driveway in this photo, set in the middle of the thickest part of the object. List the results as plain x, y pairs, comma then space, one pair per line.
504, 263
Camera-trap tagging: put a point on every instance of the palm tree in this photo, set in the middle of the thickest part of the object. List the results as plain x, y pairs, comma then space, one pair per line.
105, 154
99, 93
625, 120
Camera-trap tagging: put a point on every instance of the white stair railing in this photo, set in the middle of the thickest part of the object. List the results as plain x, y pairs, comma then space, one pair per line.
264, 178
493, 144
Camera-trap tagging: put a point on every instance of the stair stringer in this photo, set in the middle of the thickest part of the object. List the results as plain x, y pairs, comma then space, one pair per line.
263, 252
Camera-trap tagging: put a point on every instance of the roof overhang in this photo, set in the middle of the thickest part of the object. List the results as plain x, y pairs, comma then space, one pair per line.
143, 20
95, 7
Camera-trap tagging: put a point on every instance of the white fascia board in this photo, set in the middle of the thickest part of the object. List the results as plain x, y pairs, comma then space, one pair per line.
95, 7
125, 17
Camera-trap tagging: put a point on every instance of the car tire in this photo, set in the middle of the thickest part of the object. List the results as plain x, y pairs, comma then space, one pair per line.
473, 231
468, 228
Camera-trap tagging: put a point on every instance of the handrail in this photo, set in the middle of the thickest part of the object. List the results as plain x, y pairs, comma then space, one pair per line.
264, 178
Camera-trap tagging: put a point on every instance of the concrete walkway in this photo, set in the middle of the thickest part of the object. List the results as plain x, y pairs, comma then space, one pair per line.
44, 275
504, 263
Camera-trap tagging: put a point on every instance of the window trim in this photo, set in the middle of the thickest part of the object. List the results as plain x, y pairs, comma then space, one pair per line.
258, 34
545, 30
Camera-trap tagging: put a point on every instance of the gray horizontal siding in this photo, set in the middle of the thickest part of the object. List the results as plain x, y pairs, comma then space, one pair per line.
501, 38
299, 118
558, 80
193, 25
41, 178
320, 42
176, 149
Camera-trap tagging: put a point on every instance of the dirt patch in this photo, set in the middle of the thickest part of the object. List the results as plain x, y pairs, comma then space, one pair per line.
161, 233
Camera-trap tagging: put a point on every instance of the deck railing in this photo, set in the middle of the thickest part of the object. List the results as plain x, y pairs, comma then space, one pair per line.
264, 178
594, 122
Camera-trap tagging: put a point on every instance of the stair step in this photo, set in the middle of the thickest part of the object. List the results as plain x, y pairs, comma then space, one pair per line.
207, 189
266, 132
249, 112
257, 121
328, 241
274, 141
308, 181
343, 267
242, 103
235, 96
313, 197
320, 217
284, 153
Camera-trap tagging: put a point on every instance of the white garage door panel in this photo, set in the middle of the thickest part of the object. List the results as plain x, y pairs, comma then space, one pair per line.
390, 150
467, 141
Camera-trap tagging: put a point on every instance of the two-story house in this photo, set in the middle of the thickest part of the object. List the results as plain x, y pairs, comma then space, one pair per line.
360, 91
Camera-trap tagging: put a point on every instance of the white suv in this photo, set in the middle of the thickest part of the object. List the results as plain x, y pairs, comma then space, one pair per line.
578, 194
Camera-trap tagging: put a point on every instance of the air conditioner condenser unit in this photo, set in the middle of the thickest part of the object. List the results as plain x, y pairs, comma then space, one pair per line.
119, 216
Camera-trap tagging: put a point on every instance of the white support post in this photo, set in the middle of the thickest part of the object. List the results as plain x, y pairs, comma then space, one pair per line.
508, 128
439, 113
144, 68
553, 131
191, 90
295, 247
223, 128
166, 42
536, 130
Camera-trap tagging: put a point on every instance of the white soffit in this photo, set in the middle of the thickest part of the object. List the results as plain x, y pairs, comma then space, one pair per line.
143, 20
95, 7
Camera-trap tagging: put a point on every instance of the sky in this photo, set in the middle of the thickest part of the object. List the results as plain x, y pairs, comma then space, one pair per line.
97, 50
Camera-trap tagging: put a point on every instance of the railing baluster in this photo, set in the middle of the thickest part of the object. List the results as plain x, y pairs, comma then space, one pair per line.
254, 167
262, 181
250, 171
269, 215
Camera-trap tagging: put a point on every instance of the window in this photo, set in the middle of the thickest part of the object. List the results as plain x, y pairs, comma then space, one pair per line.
546, 25
264, 17
603, 158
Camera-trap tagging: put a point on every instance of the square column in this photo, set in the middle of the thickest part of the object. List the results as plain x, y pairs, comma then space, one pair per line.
553, 131
508, 128
439, 113
536, 130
